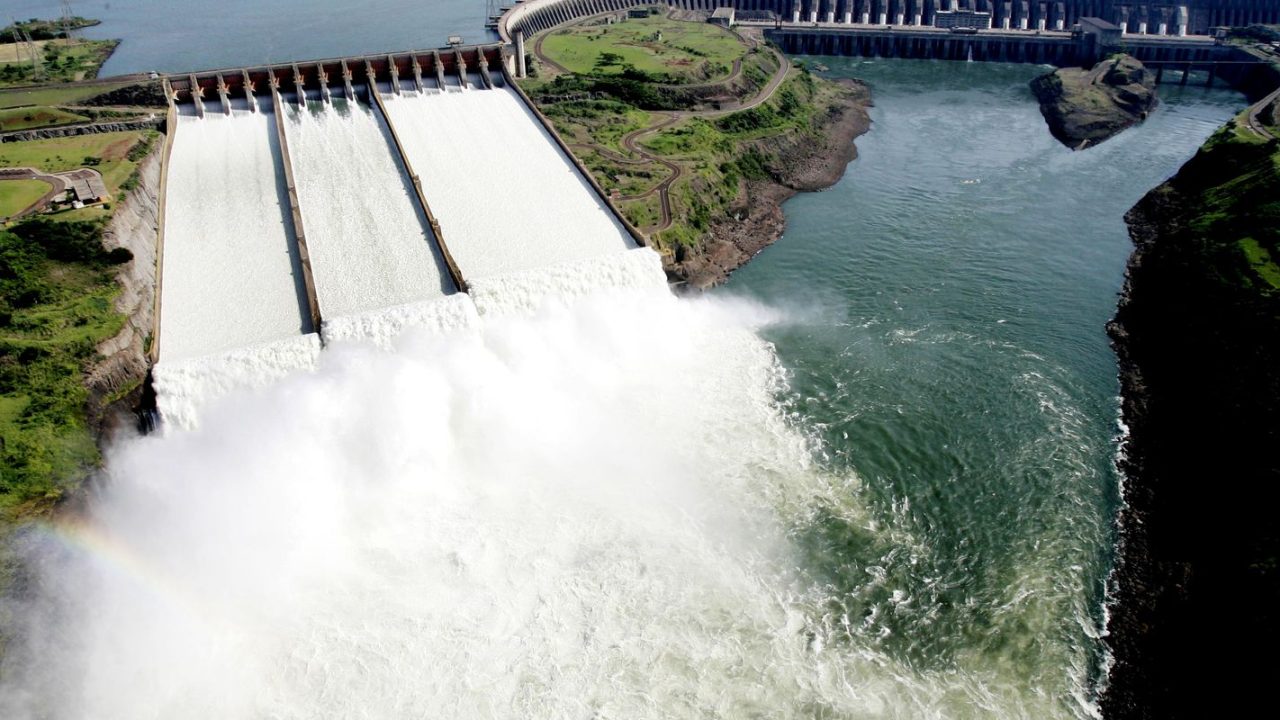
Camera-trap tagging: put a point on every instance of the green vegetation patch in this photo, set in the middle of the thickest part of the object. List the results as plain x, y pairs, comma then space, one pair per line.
1234, 228
116, 155
27, 118
56, 95
57, 295
1261, 261
17, 195
60, 61
670, 51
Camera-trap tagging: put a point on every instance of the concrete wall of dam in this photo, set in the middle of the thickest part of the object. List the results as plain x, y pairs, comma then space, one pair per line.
1170, 18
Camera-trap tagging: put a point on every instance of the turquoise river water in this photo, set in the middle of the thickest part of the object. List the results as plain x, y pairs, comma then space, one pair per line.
943, 345
950, 296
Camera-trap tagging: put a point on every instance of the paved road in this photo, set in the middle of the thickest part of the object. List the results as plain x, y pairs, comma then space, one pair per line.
59, 183
56, 184
1255, 123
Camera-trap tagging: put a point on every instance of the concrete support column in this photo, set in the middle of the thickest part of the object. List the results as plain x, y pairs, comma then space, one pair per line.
248, 92
1182, 18
297, 87
1040, 24
324, 84
1142, 28
795, 16
848, 17
197, 98
417, 76
346, 82
222, 95
520, 67
1163, 29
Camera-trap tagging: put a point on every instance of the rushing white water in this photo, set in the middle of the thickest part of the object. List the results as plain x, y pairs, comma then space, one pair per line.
230, 277
184, 388
583, 509
471, 147
370, 247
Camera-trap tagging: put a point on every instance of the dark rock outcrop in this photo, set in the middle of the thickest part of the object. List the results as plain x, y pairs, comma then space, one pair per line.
146, 94
154, 122
1195, 596
1085, 107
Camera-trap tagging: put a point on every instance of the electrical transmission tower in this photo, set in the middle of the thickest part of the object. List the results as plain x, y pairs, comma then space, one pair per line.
68, 25
25, 41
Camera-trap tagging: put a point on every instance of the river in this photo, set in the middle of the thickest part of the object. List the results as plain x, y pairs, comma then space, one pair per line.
914, 519
184, 35
949, 298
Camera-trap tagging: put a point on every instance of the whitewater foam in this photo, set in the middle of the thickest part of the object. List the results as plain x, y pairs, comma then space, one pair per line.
184, 388
382, 327
523, 292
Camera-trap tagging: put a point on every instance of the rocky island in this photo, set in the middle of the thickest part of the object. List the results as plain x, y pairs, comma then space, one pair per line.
1086, 107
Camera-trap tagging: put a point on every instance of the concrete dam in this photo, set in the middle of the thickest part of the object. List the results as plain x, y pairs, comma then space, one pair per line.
349, 199
1162, 18
1175, 36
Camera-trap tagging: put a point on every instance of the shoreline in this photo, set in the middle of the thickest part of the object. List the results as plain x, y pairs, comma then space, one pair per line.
1191, 593
804, 167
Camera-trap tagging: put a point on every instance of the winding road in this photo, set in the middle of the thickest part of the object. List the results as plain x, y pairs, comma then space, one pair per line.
630, 141
1255, 123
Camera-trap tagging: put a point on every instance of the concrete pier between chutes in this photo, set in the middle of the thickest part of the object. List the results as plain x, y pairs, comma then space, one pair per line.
363, 201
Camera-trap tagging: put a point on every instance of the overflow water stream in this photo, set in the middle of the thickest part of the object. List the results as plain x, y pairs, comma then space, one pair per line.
871, 478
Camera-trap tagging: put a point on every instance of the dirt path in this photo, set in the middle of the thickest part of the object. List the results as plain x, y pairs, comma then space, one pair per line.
630, 140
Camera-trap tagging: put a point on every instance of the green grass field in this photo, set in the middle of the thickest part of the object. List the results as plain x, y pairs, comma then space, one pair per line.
16, 195
56, 304
37, 117
112, 151
62, 61
55, 95
682, 52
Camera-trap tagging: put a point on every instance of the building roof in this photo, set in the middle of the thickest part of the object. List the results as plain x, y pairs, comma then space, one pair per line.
723, 12
1098, 23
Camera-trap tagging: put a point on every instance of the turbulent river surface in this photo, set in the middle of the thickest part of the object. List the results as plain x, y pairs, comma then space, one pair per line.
947, 302
870, 478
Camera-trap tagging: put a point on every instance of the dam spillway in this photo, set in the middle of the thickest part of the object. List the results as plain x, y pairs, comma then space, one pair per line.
549, 215
370, 245
225, 220
382, 182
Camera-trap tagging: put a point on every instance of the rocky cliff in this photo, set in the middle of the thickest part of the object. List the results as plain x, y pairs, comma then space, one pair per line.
1086, 107
1195, 596
116, 379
